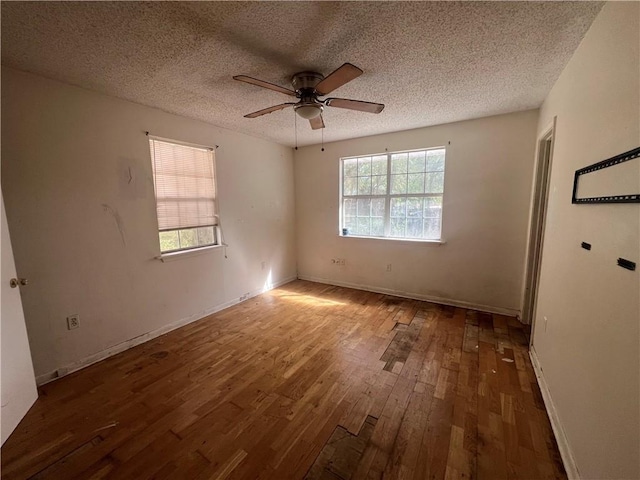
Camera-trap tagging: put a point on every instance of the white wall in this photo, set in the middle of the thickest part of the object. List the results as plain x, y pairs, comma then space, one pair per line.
488, 176
590, 351
75, 165
18, 387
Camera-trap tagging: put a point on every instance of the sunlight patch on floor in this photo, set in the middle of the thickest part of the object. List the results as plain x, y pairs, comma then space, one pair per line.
302, 298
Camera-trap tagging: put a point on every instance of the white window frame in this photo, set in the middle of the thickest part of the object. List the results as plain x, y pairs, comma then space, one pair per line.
388, 196
181, 251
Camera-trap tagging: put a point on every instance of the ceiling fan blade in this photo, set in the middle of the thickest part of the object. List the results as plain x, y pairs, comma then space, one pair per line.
337, 78
317, 122
264, 111
355, 105
263, 84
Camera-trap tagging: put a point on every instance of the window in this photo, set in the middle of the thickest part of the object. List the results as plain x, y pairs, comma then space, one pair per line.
393, 195
184, 179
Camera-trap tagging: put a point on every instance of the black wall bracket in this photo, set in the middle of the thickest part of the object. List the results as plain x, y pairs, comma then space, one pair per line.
628, 264
610, 162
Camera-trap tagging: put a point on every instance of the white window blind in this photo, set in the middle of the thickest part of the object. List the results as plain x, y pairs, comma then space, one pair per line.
185, 187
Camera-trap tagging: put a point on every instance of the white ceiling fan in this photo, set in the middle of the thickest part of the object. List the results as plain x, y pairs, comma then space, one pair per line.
308, 87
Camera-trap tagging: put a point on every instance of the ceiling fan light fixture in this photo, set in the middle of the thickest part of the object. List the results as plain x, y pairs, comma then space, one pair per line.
307, 87
309, 111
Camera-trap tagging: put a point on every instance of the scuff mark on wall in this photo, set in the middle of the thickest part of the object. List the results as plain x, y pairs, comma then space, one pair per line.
130, 172
118, 219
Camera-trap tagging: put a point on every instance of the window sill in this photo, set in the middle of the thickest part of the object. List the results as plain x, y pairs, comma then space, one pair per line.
408, 241
169, 257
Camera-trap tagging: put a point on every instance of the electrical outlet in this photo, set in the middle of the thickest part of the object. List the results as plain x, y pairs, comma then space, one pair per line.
388, 267
73, 321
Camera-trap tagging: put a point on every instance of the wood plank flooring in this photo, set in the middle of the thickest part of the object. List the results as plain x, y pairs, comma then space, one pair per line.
306, 381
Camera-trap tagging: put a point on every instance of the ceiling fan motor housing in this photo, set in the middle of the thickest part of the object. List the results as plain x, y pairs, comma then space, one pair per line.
304, 82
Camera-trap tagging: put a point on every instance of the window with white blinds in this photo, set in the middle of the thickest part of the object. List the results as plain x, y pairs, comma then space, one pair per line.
184, 179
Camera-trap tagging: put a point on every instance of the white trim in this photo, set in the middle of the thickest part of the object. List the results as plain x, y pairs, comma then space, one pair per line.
408, 241
145, 337
561, 438
549, 131
415, 296
171, 256
46, 378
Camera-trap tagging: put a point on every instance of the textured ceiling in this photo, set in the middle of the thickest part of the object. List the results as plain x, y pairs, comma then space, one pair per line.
429, 62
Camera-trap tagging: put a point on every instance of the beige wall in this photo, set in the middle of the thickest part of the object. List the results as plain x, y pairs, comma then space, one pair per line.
75, 165
590, 353
488, 176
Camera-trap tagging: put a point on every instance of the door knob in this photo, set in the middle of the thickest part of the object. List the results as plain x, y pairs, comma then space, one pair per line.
14, 282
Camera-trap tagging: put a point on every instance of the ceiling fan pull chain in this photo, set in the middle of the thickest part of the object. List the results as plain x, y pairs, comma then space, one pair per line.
322, 131
295, 127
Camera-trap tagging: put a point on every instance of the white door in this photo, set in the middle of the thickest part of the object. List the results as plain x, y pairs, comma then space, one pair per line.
18, 385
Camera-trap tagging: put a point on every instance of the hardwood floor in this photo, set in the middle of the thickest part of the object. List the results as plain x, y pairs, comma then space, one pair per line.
306, 381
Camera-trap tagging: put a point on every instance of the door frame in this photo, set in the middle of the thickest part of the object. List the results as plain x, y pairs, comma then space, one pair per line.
537, 223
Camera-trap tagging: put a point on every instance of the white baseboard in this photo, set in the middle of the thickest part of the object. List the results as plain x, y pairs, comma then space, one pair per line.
558, 431
121, 347
416, 296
